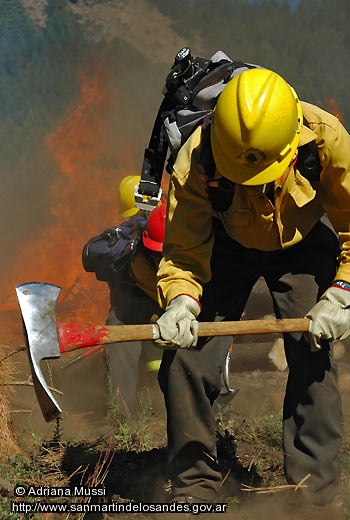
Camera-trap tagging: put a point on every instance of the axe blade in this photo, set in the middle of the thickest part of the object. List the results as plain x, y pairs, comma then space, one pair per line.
37, 302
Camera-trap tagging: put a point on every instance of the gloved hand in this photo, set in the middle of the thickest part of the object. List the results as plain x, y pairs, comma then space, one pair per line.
330, 317
178, 327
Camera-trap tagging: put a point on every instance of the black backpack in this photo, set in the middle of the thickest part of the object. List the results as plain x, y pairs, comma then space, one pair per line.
190, 93
111, 251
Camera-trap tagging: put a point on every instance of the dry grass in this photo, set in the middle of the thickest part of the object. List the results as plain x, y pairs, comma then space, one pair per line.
130, 462
8, 442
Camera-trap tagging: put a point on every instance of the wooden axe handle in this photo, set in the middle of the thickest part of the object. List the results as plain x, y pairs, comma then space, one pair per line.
73, 336
267, 326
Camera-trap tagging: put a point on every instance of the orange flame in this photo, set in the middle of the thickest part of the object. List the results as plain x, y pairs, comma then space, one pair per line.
84, 203
333, 108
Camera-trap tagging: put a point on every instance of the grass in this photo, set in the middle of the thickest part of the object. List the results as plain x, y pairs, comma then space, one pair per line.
131, 465
130, 462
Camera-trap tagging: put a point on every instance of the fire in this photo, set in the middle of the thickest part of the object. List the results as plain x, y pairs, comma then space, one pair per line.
83, 204
333, 108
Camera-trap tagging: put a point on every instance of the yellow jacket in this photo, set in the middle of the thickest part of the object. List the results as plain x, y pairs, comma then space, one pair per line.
252, 219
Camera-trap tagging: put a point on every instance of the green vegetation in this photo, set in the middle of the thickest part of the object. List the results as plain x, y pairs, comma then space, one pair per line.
38, 74
309, 46
40, 66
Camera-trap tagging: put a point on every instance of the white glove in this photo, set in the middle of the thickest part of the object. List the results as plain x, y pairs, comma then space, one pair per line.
178, 327
330, 317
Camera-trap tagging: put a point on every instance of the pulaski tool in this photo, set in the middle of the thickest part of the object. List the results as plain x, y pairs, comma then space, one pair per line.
46, 338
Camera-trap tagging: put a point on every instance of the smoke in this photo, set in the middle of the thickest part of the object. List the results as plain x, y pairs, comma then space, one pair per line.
92, 151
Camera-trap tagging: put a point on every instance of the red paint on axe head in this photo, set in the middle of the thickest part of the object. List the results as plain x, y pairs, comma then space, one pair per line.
72, 336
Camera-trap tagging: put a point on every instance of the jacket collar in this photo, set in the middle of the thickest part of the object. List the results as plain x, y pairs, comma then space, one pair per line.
306, 136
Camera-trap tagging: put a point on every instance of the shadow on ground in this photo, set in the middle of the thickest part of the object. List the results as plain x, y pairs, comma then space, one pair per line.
142, 476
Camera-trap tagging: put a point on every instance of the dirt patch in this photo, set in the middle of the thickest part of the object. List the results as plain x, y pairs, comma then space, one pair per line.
249, 439
133, 456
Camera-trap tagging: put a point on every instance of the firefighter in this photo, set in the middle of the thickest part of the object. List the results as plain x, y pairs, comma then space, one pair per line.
271, 224
133, 299
126, 197
133, 296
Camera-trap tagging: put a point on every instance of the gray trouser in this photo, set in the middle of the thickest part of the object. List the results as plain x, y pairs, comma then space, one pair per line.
312, 412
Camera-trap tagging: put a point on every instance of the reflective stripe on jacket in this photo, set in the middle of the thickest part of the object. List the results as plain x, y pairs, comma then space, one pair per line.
252, 219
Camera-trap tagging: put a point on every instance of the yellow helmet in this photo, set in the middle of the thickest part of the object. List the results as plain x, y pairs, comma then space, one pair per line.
256, 127
126, 190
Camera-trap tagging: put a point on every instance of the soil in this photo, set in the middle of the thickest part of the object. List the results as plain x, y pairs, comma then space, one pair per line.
138, 473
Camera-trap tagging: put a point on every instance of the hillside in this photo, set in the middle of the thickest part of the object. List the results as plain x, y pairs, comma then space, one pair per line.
135, 22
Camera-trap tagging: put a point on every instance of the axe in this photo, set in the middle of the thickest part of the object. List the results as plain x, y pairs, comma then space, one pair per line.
46, 338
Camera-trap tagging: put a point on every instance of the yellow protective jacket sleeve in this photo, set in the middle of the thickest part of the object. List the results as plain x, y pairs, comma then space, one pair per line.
252, 219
